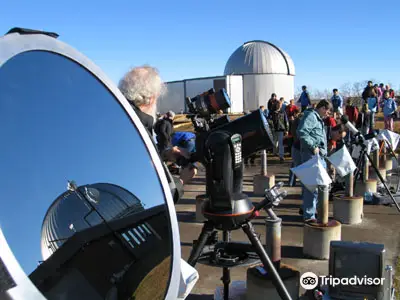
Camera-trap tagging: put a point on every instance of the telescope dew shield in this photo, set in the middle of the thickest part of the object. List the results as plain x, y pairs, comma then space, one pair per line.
255, 131
209, 102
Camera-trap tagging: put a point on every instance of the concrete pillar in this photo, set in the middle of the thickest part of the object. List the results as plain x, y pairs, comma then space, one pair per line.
199, 208
366, 169
323, 204
317, 238
260, 287
372, 173
375, 158
262, 181
388, 163
350, 184
273, 240
363, 187
348, 210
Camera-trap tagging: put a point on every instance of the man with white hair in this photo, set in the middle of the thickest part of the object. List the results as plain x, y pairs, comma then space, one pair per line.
142, 86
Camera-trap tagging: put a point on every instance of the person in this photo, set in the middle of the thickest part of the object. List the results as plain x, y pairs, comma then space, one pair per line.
351, 112
291, 112
304, 99
337, 102
295, 151
272, 101
368, 92
284, 103
379, 94
184, 140
313, 141
142, 86
364, 120
329, 122
264, 111
335, 142
281, 127
164, 128
389, 110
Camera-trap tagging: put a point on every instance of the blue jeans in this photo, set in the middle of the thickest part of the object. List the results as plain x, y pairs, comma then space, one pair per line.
190, 145
310, 199
296, 161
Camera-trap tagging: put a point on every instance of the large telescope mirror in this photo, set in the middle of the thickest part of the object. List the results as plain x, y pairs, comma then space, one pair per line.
85, 211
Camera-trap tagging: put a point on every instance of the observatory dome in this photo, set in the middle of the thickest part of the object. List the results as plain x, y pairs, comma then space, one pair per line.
69, 214
259, 57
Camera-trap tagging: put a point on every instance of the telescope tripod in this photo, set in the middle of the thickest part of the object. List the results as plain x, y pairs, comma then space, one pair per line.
228, 254
360, 166
209, 232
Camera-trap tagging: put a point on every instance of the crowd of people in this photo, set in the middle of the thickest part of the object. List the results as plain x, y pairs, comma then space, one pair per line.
309, 129
317, 129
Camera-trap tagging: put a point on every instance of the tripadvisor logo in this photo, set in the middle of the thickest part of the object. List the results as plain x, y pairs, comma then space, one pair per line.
309, 281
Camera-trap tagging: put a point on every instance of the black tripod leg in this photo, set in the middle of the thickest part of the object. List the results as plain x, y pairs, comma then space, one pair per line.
206, 232
383, 181
226, 274
360, 166
276, 279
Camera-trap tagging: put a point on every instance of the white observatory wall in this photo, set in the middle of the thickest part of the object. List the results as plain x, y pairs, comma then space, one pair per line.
195, 87
174, 99
234, 88
259, 87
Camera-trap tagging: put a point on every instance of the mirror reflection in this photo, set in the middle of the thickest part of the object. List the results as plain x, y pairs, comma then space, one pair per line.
81, 204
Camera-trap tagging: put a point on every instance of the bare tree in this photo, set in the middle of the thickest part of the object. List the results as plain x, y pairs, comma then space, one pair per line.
317, 95
346, 90
358, 88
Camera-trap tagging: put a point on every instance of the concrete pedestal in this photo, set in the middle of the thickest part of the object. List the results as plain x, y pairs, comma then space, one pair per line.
317, 238
372, 173
260, 287
261, 183
199, 207
363, 187
388, 164
348, 210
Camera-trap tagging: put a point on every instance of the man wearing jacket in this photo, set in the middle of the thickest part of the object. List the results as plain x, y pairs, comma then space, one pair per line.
337, 102
142, 86
313, 141
164, 128
304, 99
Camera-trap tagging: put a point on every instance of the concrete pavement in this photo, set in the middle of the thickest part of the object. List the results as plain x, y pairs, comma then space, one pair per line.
380, 225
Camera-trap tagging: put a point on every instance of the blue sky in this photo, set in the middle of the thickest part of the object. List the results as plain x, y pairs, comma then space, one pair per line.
331, 42
84, 136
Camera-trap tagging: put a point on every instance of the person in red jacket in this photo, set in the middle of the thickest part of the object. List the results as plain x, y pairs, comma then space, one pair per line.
351, 112
330, 122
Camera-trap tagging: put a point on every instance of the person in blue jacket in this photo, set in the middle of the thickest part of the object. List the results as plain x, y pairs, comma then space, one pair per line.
313, 141
304, 99
185, 140
337, 102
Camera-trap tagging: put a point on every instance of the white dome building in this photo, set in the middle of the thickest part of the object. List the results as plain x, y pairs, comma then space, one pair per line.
265, 69
252, 73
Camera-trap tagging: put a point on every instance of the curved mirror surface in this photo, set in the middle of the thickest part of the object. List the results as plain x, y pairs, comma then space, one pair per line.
81, 205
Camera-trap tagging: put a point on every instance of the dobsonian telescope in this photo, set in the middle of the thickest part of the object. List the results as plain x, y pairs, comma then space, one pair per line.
220, 146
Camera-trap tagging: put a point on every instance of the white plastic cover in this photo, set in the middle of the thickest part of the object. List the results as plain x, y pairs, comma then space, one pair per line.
372, 145
312, 173
189, 277
390, 136
342, 162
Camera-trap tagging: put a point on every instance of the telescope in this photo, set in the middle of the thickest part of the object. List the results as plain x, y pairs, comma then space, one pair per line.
221, 145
